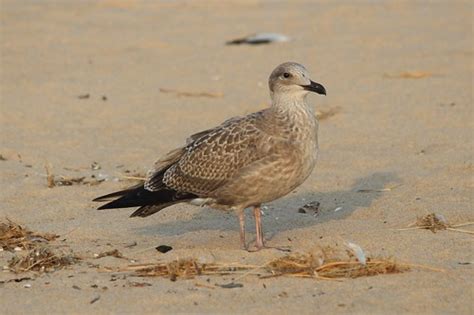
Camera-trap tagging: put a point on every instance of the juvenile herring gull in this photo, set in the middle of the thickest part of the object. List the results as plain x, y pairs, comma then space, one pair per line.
244, 162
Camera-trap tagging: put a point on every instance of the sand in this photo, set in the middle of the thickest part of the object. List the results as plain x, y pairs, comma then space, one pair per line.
80, 83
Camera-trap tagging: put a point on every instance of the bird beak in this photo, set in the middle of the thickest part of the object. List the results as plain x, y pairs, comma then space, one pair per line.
315, 87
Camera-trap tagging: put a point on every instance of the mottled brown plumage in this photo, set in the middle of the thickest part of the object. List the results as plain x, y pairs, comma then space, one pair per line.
242, 163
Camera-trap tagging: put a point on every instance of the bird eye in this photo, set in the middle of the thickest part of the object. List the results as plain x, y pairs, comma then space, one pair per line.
286, 75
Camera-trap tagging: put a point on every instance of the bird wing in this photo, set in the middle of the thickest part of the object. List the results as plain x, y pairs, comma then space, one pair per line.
211, 157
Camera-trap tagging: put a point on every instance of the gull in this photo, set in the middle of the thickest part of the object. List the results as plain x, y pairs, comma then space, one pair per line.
242, 163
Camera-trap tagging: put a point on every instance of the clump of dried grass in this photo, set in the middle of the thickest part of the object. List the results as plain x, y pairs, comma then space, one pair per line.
436, 222
181, 268
329, 263
13, 235
433, 222
309, 266
42, 259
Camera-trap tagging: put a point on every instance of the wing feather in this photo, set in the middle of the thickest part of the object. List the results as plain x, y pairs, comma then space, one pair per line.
215, 157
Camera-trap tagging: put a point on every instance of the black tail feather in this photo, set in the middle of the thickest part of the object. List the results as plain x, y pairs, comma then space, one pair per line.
149, 202
117, 193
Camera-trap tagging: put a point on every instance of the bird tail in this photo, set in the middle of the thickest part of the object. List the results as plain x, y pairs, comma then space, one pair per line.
149, 202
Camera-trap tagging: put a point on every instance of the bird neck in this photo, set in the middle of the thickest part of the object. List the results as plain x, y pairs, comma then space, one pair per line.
291, 106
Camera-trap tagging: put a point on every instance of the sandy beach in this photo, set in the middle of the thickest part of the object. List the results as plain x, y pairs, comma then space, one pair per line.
96, 91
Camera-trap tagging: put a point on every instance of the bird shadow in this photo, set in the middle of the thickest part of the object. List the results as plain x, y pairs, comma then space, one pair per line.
283, 214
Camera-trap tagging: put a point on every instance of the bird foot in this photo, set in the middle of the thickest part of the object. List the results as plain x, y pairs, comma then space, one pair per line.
257, 248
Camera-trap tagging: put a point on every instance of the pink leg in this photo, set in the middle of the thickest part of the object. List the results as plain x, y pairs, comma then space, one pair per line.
242, 229
258, 226
260, 242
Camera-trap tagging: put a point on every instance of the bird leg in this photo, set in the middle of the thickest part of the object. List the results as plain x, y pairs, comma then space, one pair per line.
258, 227
260, 241
242, 228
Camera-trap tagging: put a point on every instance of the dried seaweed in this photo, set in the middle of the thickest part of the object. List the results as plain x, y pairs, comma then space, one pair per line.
433, 222
42, 259
13, 235
327, 264
436, 222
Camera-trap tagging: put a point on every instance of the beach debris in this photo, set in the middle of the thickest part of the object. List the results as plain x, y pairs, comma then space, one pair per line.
104, 98
42, 259
83, 96
131, 244
325, 114
32, 252
328, 263
338, 209
135, 284
312, 206
69, 181
259, 38
191, 94
53, 181
358, 252
163, 248
410, 75
95, 166
378, 190
436, 222
114, 253
134, 177
433, 222
231, 285
14, 237
95, 299
49, 176
16, 280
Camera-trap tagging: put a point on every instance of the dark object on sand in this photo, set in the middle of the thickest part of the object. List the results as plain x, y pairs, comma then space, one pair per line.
163, 248
259, 38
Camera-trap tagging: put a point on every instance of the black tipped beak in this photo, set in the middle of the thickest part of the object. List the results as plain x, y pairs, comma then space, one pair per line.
315, 87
